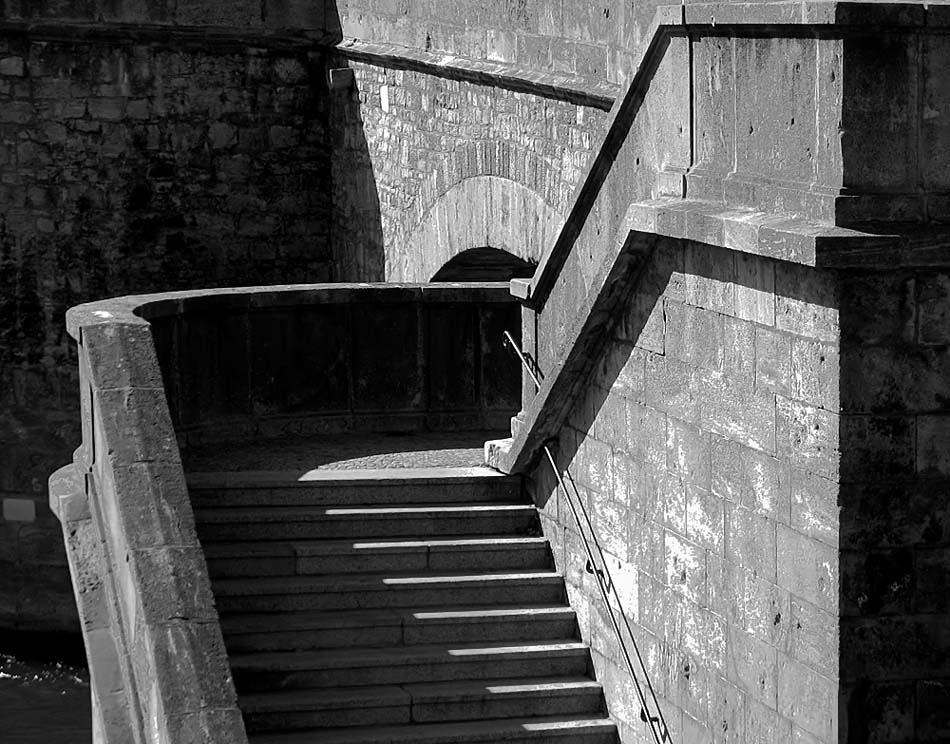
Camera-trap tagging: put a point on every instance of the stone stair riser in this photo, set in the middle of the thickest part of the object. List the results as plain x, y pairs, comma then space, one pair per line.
452, 670
396, 634
538, 592
531, 556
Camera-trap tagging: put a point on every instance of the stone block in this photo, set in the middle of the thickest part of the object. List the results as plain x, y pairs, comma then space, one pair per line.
807, 437
894, 379
610, 422
705, 519
687, 449
751, 541
19, 510
807, 302
723, 596
878, 156
765, 726
727, 711
879, 447
752, 666
932, 580
933, 705
153, 504
694, 335
671, 502
190, 666
610, 523
813, 638
883, 515
206, 726
776, 92
733, 411
726, 470
814, 506
11, 66
933, 446
815, 371
773, 360
710, 278
672, 388
764, 484
755, 289
646, 552
685, 567
877, 582
933, 309
808, 568
878, 309
808, 699
739, 351
714, 103
172, 584
765, 611
121, 356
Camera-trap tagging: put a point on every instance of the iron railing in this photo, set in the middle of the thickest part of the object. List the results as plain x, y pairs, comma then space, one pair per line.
605, 583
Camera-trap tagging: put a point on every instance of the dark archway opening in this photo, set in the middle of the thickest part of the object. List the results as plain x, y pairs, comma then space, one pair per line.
484, 265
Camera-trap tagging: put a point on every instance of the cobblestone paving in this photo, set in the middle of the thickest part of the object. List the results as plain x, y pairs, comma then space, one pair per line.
346, 452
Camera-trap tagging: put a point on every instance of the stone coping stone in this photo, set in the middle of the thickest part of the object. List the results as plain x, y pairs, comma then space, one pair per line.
139, 309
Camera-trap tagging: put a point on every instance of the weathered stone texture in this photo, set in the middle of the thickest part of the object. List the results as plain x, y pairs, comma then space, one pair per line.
698, 500
426, 135
894, 513
129, 168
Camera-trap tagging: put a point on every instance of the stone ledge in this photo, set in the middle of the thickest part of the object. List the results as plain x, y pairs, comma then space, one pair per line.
139, 309
571, 88
786, 238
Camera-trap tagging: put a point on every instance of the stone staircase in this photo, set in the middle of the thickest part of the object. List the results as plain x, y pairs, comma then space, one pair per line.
396, 606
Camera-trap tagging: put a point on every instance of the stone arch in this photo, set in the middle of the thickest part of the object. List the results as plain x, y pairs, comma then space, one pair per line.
481, 211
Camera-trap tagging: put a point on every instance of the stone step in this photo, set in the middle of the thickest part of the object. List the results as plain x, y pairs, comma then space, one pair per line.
290, 523
542, 730
341, 487
377, 591
316, 630
357, 667
421, 703
286, 558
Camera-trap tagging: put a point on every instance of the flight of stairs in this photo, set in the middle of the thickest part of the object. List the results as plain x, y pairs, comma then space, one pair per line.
402, 606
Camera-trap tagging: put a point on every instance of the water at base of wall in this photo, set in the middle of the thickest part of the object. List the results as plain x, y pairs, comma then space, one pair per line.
44, 689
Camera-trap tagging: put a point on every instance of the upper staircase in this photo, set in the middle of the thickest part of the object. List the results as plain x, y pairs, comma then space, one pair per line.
410, 605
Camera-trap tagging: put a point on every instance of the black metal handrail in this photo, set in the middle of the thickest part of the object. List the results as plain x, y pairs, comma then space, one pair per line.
605, 583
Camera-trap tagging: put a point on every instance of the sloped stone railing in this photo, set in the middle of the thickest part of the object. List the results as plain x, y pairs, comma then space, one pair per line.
158, 666
621, 201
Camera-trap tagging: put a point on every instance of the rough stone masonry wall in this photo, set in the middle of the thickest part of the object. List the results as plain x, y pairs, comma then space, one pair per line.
706, 451
130, 167
514, 157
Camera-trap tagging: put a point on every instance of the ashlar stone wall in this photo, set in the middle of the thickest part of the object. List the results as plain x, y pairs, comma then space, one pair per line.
706, 451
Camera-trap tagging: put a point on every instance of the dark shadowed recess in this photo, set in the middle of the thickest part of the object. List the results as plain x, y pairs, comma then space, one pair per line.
484, 264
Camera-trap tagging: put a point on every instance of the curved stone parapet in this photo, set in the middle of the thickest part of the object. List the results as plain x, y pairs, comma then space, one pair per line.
158, 665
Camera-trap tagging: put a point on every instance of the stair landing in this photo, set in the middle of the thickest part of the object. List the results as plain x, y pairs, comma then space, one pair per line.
356, 451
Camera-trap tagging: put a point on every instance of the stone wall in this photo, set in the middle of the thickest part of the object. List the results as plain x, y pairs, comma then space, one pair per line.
596, 41
895, 510
130, 167
706, 451
448, 165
